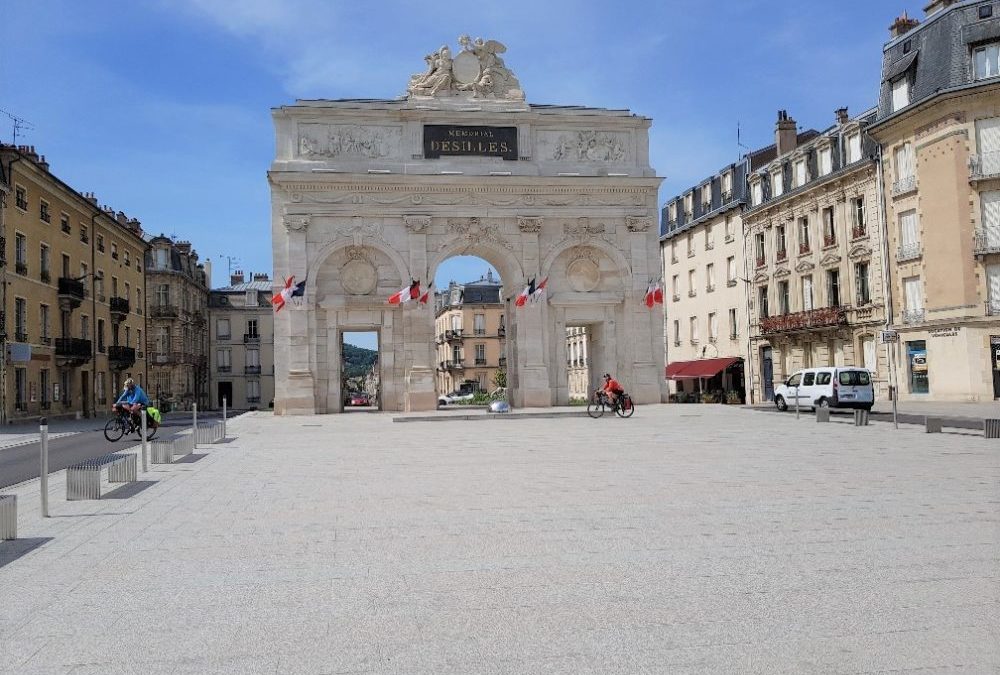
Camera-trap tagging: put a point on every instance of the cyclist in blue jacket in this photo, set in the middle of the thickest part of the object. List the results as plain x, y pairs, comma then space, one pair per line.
132, 401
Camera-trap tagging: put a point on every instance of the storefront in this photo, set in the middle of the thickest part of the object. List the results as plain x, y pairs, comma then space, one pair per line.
717, 380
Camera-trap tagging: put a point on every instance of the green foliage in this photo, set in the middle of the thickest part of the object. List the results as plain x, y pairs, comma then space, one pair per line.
500, 377
358, 360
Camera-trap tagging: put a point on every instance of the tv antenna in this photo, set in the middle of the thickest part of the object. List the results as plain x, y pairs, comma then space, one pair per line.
19, 123
232, 262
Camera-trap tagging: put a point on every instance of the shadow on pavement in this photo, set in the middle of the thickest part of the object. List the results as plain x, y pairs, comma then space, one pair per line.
129, 489
12, 549
190, 459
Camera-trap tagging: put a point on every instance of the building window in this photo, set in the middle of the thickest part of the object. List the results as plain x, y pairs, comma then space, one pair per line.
675, 284
993, 289
163, 340
21, 198
253, 359
99, 242
253, 391
480, 355
710, 277
456, 322
780, 242
763, 310
43, 320
713, 326
727, 186
985, 11
807, 293
731, 270
20, 320
909, 236
690, 245
252, 328
677, 332
859, 224
987, 162
756, 193
479, 324
729, 228
825, 161
114, 250
914, 297
901, 93
804, 245
853, 148
833, 288
45, 215
692, 289
800, 173
784, 299
777, 183
43, 260
861, 281
20, 389
694, 329
906, 179
709, 237
84, 326
100, 335
65, 265
126, 259
829, 229
734, 330
21, 253
759, 249
456, 354
99, 285
223, 359
986, 61
163, 295
84, 236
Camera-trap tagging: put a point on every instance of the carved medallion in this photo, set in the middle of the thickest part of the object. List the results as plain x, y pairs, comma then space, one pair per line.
583, 274
358, 277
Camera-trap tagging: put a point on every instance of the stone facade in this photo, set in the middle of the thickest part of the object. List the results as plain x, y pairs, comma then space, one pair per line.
939, 126
814, 247
71, 274
470, 334
241, 343
578, 370
178, 316
367, 195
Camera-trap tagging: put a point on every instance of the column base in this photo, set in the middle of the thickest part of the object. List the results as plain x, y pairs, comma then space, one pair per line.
420, 394
299, 398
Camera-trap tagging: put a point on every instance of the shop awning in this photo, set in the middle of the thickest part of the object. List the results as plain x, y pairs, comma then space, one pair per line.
702, 368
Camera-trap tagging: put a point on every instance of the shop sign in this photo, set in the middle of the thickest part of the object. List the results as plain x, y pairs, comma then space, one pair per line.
944, 332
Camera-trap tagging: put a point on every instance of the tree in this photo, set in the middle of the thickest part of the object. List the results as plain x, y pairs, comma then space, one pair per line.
500, 377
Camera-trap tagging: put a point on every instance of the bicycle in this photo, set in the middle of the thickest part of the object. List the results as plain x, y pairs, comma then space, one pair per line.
600, 401
122, 424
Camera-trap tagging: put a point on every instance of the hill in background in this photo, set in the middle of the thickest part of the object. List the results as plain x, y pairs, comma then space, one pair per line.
358, 360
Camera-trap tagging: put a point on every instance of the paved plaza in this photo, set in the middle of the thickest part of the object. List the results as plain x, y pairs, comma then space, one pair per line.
688, 539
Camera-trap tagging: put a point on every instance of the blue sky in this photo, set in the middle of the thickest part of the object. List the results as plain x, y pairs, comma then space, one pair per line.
162, 107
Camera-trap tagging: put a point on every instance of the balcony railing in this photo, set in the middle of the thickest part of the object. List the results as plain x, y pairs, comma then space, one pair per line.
502, 362
859, 231
452, 365
253, 399
453, 334
163, 311
480, 362
730, 283
985, 165
71, 292
21, 268
691, 253
815, 318
993, 308
224, 369
501, 332
761, 262
224, 338
913, 316
675, 297
673, 260
908, 252
692, 293
479, 331
119, 307
829, 240
74, 349
250, 338
986, 242
781, 255
251, 370
121, 357
45, 276
904, 185
804, 248
709, 288
20, 336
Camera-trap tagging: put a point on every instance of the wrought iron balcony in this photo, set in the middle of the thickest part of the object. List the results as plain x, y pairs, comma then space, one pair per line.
452, 335
71, 292
502, 362
163, 311
825, 317
859, 231
20, 336
73, 351
454, 365
908, 252
21, 268
251, 370
804, 248
119, 308
224, 338
904, 185
913, 316
121, 357
829, 240
480, 362
251, 338
780, 256
985, 165
45, 276
501, 332
760, 261
986, 243
253, 399
224, 369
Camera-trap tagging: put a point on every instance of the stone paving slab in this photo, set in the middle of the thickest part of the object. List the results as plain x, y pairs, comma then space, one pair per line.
694, 540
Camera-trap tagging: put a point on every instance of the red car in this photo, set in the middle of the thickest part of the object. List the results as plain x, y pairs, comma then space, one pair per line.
359, 400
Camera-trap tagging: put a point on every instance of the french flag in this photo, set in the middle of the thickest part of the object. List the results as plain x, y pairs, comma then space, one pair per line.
284, 295
405, 294
529, 291
654, 294
539, 290
427, 294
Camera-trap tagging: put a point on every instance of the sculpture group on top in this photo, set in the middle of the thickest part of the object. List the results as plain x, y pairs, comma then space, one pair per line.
477, 70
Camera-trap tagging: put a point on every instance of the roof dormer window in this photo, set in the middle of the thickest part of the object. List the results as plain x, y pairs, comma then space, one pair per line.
986, 61
900, 93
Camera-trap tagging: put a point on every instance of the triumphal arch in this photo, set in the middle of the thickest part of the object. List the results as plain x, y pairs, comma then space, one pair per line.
367, 195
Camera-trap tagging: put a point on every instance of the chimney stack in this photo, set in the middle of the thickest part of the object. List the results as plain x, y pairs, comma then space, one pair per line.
786, 135
842, 116
236, 278
208, 272
260, 276
936, 6
902, 25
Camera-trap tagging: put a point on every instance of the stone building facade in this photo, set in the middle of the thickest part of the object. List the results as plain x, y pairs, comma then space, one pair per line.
704, 289
73, 295
241, 343
368, 195
815, 252
578, 367
938, 122
177, 335
470, 333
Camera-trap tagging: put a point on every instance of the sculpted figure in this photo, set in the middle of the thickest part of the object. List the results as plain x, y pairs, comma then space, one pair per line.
438, 76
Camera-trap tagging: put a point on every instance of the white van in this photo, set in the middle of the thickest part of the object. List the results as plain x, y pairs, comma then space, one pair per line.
827, 387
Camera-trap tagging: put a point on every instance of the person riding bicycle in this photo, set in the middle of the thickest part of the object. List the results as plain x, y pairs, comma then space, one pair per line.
612, 388
133, 400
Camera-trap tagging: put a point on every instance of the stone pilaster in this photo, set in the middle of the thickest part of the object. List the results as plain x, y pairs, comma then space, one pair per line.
534, 390
419, 325
300, 398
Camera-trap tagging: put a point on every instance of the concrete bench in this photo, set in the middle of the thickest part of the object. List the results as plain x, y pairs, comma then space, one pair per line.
8, 517
163, 452
83, 480
208, 434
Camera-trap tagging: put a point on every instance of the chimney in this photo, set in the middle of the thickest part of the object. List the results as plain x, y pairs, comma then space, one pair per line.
183, 247
786, 135
902, 25
208, 271
236, 278
260, 276
842, 116
936, 6
43, 164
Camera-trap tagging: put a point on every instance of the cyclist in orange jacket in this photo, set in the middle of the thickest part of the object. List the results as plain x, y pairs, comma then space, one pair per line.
612, 388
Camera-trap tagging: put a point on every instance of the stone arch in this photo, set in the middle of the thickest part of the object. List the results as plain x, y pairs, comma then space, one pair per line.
329, 250
614, 254
503, 259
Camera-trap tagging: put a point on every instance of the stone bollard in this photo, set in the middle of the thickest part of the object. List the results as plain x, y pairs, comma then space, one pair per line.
860, 418
8, 517
991, 428
822, 414
932, 425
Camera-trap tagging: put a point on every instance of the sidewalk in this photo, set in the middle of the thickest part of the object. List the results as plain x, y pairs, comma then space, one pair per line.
25, 433
942, 409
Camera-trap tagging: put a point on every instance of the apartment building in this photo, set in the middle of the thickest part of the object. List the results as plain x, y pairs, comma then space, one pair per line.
241, 325
817, 257
578, 363
72, 321
470, 334
177, 337
938, 122
705, 295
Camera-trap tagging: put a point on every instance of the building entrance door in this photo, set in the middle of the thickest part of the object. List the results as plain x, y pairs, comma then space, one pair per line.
767, 373
85, 393
225, 393
995, 360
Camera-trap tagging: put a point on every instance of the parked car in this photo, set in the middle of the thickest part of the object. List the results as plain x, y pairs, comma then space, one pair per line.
456, 397
359, 400
827, 387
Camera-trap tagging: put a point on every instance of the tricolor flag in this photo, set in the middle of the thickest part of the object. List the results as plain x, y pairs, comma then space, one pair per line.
654, 294
299, 292
658, 293
427, 294
539, 290
523, 296
281, 297
405, 294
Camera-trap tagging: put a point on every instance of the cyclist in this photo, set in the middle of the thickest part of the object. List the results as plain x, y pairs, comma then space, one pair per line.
611, 388
132, 401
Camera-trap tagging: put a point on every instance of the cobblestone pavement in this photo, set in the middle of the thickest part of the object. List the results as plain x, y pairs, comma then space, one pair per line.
688, 539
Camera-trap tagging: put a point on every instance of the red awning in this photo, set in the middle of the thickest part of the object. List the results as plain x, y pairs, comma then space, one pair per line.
702, 368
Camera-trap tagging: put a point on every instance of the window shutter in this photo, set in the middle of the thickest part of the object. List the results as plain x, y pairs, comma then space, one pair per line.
988, 133
993, 281
908, 228
991, 217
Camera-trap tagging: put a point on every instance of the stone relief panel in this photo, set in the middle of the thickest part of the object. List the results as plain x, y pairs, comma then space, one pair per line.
584, 269
354, 271
584, 146
321, 141
474, 231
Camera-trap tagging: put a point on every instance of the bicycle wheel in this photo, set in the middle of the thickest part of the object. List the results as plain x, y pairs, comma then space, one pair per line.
625, 407
114, 429
595, 408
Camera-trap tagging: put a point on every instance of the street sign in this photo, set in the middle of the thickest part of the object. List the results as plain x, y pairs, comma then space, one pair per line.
887, 336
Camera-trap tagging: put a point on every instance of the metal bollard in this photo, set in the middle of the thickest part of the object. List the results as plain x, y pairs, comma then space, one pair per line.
822, 414
860, 418
8, 517
932, 425
145, 443
44, 473
194, 424
224, 402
